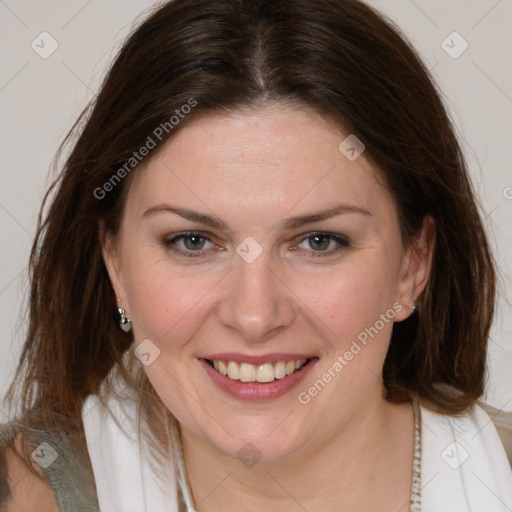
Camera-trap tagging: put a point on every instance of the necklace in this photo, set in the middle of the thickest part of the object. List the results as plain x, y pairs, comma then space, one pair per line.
416, 463
186, 503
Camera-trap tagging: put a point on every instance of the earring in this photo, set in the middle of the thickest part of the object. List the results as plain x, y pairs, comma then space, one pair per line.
124, 322
413, 308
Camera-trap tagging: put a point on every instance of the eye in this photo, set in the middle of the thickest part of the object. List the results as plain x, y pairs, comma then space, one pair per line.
195, 244
323, 244
192, 244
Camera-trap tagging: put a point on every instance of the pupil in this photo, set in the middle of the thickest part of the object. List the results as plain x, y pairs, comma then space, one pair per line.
317, 239
193, 242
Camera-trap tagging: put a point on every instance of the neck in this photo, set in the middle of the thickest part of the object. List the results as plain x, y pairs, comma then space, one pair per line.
365, 465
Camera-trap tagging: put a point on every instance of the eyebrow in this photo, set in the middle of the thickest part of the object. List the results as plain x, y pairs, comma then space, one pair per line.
291, 223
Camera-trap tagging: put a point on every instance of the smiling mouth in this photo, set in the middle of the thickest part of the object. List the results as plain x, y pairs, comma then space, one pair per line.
263, 373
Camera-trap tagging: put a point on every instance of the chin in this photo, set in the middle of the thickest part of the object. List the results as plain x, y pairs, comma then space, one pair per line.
266, 438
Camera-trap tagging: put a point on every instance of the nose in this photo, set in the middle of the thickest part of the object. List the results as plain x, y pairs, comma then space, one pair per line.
257, 303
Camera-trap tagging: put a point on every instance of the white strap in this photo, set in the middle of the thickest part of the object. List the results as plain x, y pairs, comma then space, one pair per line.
125, 480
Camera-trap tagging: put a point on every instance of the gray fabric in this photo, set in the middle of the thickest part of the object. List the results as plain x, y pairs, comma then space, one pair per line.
70, 474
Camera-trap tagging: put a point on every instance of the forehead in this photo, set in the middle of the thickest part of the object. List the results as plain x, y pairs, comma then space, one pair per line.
270, 159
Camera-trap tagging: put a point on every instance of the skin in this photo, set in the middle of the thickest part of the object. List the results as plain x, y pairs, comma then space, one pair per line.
347, 449
28, 492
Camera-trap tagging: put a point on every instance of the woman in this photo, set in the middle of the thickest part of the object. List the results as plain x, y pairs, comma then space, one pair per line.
276, 207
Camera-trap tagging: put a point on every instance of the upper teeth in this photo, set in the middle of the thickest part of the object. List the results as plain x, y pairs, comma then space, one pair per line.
266, 372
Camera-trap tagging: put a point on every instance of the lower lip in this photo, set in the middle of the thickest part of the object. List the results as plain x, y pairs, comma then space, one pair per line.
257, 391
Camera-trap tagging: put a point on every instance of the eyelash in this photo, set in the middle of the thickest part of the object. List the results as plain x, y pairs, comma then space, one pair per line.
343, 242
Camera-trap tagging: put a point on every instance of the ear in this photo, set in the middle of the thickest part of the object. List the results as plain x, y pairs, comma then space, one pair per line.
111, 258
416, 267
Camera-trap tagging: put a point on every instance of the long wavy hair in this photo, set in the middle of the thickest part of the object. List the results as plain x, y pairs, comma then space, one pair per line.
338, 57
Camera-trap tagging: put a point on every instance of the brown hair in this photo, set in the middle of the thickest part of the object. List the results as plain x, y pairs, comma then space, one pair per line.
338, 57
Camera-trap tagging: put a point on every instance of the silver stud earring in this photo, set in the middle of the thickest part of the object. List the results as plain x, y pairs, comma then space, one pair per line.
413, 308
124, 322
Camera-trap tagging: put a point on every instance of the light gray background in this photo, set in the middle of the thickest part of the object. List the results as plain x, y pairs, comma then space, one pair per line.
40, 98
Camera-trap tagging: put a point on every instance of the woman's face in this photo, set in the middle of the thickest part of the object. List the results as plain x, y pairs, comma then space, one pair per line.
295, 255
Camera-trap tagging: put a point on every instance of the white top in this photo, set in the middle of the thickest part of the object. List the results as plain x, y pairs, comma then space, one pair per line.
464, 467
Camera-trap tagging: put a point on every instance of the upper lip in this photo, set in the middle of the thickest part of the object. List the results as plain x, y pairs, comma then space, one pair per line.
256, 360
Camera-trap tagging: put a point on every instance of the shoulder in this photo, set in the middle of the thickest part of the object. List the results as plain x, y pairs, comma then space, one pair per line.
22, 482
44, 471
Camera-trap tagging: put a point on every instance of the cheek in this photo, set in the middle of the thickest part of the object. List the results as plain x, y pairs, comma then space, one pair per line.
352, 309
167, 304
350, 297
